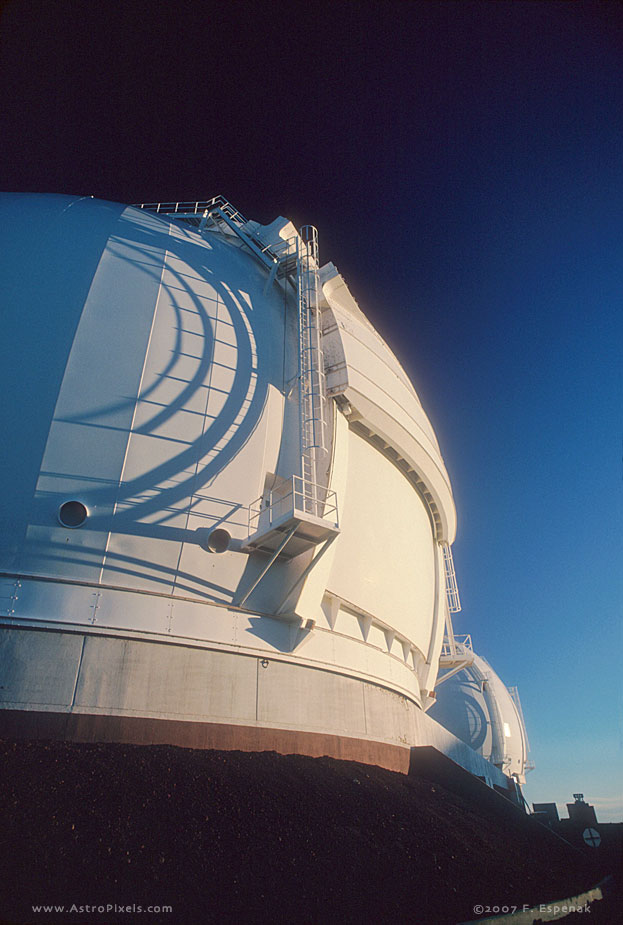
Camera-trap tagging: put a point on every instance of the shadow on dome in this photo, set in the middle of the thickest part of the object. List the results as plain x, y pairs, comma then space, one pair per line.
191, 418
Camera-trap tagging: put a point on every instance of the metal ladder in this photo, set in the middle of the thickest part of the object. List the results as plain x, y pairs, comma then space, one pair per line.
312, 400
456, 652
452, 589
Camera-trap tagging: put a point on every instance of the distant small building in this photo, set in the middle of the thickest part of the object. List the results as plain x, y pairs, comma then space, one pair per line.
580, 812
546, 813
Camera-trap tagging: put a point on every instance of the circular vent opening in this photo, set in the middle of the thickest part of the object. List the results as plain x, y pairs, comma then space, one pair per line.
72, 514
218, 541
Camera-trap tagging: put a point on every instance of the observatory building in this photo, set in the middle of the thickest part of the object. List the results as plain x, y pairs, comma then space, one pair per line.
226, 521
474, 704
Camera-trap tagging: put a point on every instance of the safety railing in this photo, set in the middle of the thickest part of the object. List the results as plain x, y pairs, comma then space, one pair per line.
460, 645
292, 496
206, 209
197, 207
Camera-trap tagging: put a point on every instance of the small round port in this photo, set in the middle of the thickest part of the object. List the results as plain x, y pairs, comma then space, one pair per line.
72, 514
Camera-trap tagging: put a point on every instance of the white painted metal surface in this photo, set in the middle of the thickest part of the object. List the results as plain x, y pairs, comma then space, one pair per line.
258, 476
475, 705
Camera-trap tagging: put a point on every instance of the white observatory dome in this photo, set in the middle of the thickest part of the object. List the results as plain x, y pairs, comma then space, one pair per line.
476, 706
225, 514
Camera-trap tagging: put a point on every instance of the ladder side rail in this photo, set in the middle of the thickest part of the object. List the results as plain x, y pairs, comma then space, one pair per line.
452, 590
311, 382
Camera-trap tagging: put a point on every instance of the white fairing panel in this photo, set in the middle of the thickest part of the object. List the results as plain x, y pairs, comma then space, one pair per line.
362, 370
384, 562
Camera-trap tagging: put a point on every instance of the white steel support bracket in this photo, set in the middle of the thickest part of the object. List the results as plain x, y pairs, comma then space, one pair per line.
365, 622
459, 667
277, 551
303, 634
281, 608
334, 609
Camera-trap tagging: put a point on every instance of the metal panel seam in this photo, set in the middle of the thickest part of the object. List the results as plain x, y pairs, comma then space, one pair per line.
136, 400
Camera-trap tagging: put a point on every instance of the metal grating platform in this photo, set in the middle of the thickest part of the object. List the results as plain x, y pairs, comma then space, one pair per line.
297, 515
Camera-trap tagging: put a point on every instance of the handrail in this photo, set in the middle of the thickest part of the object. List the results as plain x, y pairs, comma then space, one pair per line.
292, 495
279, 251
197, 207
462, 645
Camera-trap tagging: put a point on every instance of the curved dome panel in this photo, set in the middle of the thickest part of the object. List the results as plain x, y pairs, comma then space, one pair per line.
169, 554
51, 248
385, 531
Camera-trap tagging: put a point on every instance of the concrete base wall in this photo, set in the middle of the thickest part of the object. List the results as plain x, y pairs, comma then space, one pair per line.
85, 727
102, 688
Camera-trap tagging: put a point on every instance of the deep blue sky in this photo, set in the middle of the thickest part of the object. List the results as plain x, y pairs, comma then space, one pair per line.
463, 164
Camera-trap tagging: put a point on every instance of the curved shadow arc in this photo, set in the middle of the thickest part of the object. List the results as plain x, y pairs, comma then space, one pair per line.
123, 564
198, 378
176, 352
218, 429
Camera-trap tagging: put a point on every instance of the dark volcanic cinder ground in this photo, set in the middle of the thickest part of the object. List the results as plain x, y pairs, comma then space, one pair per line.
231, 837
